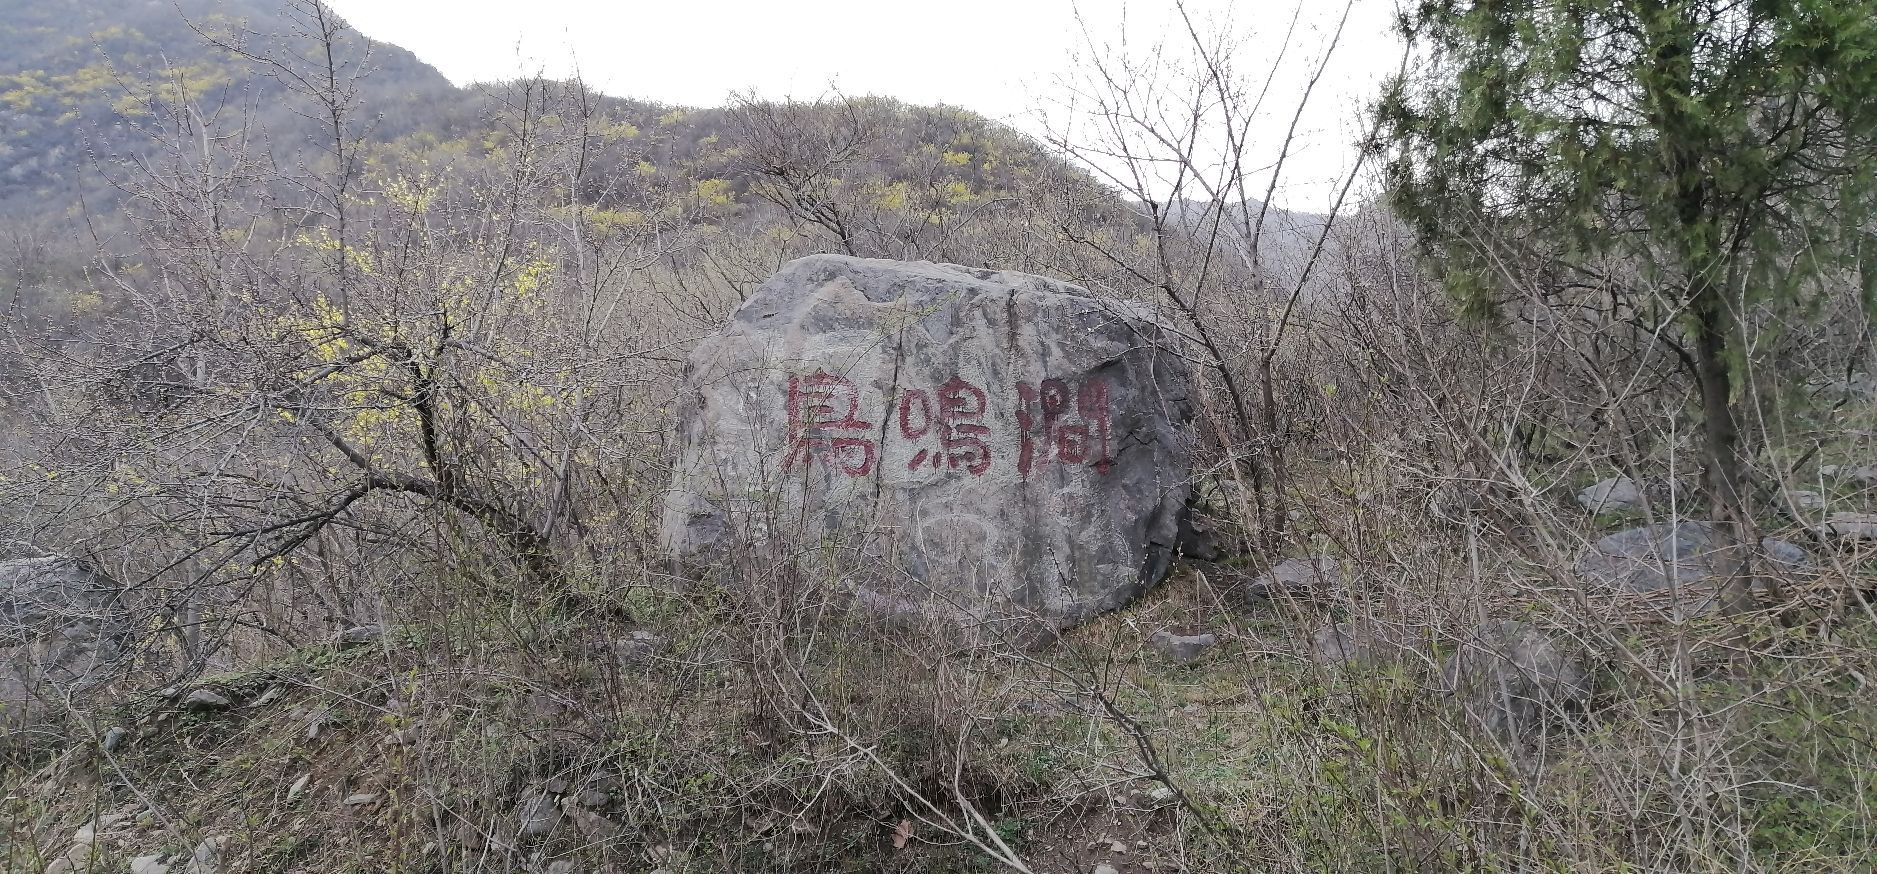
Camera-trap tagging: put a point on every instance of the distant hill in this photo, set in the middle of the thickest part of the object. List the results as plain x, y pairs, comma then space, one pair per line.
78, 77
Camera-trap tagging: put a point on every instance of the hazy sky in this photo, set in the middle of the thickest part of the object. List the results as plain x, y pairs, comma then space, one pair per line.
1006, 59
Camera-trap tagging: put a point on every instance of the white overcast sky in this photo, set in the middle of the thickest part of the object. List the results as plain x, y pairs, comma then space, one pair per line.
1005, 59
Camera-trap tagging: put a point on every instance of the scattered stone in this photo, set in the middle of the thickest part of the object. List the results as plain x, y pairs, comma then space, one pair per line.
1318, 577
357, 636
320, 720
1105, 868
1199, 542
536, 814
1684, 557
88, 833
591, 826
593, 798
207, 857
206, 700
1181, 648
1804, 501
561, 866
1860, 474
114, 738
360, 799
272, 694
148, 865
1857, 386
639, 647
1014, 447
64, 632
1512, 680
1615, 493
1117, 847
298, 786
1847, 527
1343, 643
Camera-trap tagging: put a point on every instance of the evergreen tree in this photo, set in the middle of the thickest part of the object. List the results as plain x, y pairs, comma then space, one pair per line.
1719, 153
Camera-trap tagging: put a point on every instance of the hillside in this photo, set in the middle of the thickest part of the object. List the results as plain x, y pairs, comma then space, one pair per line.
80, 82
398, 476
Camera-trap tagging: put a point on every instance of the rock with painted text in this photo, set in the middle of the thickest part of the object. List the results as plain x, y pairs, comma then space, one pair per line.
980, 445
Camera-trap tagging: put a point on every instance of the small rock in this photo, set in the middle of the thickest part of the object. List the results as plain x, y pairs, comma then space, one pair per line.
148, 865
206, 700
536, 815
207, 858
360, 799
1318, 577
1198, 542
1846, 527
298, 786
357, 636
1863, 475
115, 738
1513, 680
1105, 868
322, 719
593, 798
557, 786
272, 694
1804, 501
1615, 493
639, 647
1341, 643
1118, 847
1182, 648
561, 866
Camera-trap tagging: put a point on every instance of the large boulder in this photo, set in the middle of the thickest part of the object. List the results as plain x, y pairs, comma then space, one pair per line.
985, 444
1686, 560
63, 633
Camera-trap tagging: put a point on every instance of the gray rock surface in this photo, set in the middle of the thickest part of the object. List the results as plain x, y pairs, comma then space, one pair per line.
1859, 474
1847, 528
64, 632
357, 636
1318, 577
1344, 643
1616, 493
1803, 500
1514, 681
1182, 648
536, 814
206, 701
1005, 445
1687, 558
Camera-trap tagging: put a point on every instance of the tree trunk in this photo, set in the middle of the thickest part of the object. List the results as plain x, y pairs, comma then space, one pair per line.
1725, 477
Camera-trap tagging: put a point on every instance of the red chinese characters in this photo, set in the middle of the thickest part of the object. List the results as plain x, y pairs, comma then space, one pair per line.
1063, 422
957, 416
819, 407
948, 427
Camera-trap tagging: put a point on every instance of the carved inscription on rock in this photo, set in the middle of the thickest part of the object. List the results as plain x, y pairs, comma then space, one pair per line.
950, 426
